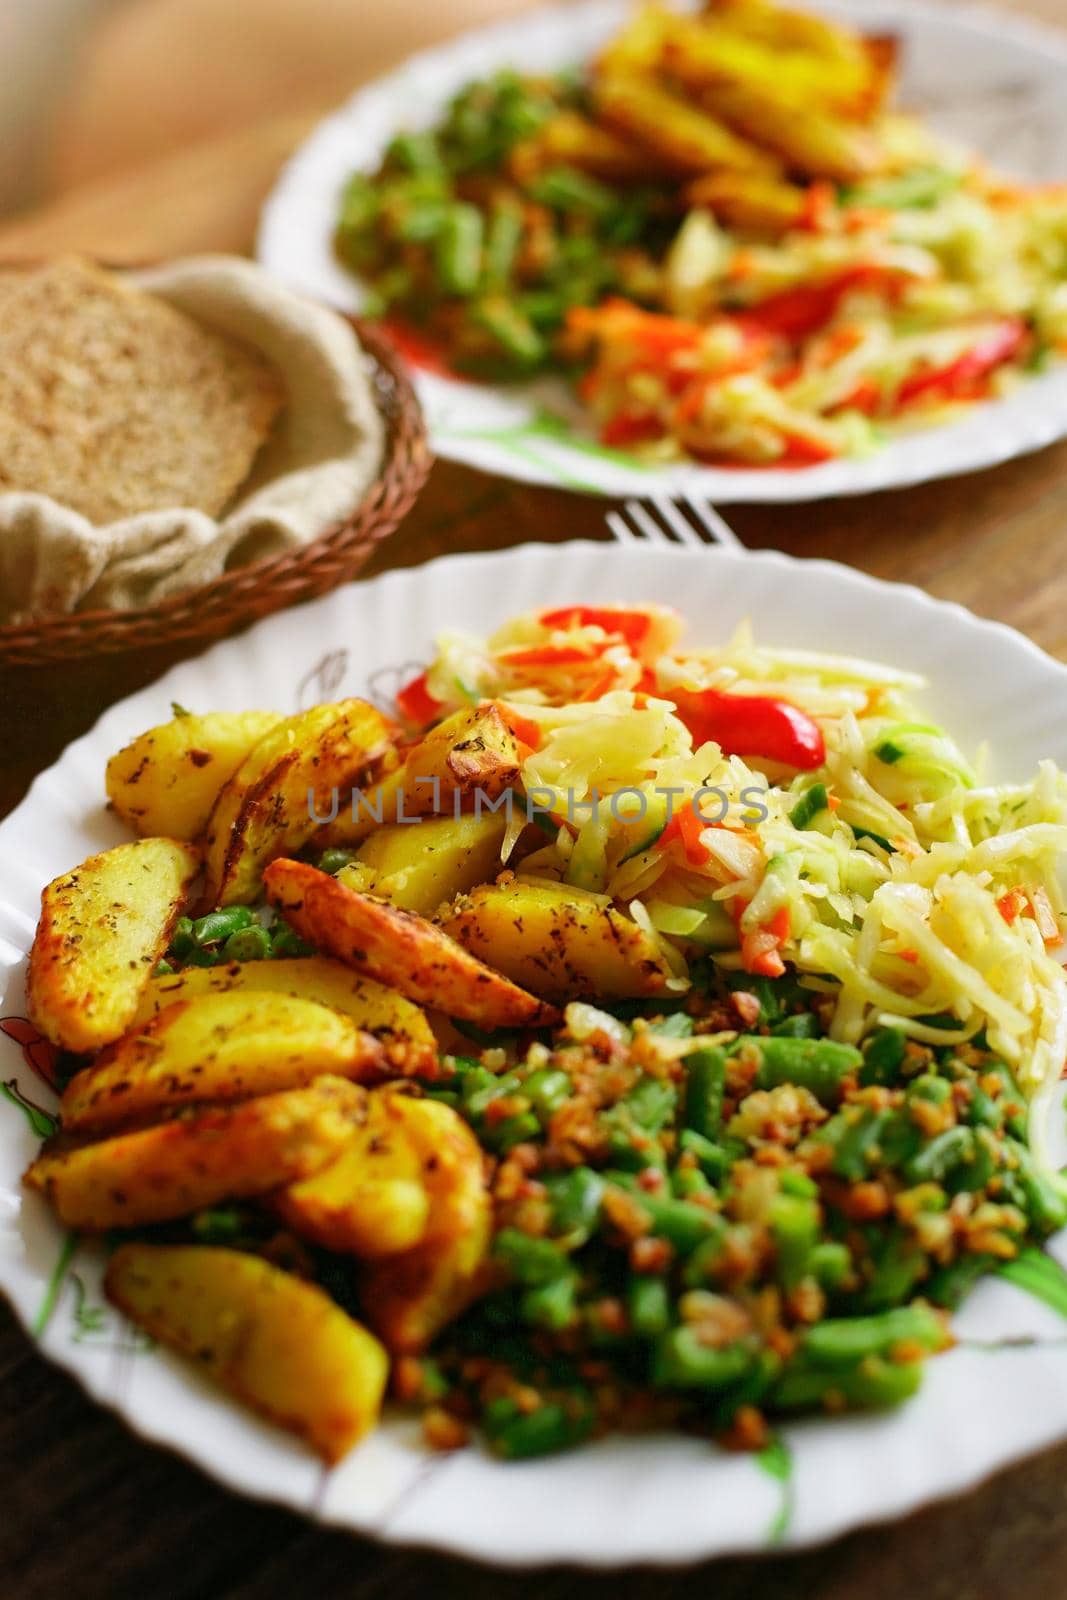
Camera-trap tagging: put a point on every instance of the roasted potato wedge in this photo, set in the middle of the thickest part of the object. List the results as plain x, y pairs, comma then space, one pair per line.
216, 1048
558, 941
374, 1200
750, 201
409, 1298
420, 867
469, 751
400, 949
809, 141
569, 139
288, 780
166, 780
687, 139
700, 57
102, 930
279, 1344
400, 1027
159, 1173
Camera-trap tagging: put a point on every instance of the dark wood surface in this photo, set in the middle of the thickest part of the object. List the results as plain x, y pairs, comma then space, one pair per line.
89, 1511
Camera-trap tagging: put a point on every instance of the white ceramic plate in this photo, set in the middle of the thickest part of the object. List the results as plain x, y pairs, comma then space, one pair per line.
661, 1499
997, 85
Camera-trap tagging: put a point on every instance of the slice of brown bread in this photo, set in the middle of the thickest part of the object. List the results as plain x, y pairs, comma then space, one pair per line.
113, 402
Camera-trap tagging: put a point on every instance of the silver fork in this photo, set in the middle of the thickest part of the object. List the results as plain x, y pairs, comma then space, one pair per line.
661, 520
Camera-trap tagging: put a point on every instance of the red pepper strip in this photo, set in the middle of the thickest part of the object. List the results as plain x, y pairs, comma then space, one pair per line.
415, 702
801, 450
633, 627
752, 725
417, 349
820, 203
1012, 905
759, 949
628, 428
990, 352
546, 655
795, 313
620, 319
599, 686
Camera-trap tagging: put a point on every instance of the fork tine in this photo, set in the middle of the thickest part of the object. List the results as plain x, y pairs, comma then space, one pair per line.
716, 524
621, 529
679, 524
646, 523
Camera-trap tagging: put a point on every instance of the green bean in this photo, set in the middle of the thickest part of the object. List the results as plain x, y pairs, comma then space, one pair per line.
502, 242
360, 203
286, 942
930, 1087
529, 1260
681, 1361
791, 1181
649, 1304
415, 152
333, 860
219, 1224
714, 1160
804, 1025
688, 1181
514, 333
546, 1091
681, 1223
948, 1285
567, 189
1044, 1193
794, 1225
873, 1384
830, 1263
700, 1268
504, 1136
575, 1199
651, 1103
883, 1057
1012, 1099
552, 1305
808, 807
983, 1111
181, 940
218, 925
941, 1156
843, 1341
248, 944
858, 1141
515, 1435
815, 1064
705, 1080
458, 249
899, 1266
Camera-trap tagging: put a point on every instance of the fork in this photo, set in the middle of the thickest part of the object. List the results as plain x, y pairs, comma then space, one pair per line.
637, 523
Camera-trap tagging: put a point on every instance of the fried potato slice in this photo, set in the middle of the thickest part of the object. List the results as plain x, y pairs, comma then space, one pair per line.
374, 1200
400, 949
701, 57
287, 781
399, 1026
409, 1298
103, 928
166, 780
277, 1343
750, 201
687, 139
558, 941
217, 1048
159, 1173
420, 867
571, 140
808, 141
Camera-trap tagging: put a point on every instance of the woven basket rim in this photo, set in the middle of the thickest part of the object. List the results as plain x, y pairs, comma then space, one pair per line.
249, 592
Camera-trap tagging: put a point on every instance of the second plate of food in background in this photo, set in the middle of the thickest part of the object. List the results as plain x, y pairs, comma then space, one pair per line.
979, 81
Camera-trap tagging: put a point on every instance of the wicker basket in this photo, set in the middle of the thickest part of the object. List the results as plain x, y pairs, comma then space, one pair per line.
248, 593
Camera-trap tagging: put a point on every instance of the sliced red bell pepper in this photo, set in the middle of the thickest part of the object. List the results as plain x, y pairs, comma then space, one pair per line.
796, 313
546, 655
751, 725
801, 450
632, 626
627, 428
415, 702
955, 378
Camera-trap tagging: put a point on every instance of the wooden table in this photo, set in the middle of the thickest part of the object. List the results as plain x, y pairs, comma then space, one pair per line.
88, 1510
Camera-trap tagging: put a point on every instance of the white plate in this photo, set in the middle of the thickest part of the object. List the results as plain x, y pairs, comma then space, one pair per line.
996, 84
662, 1499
